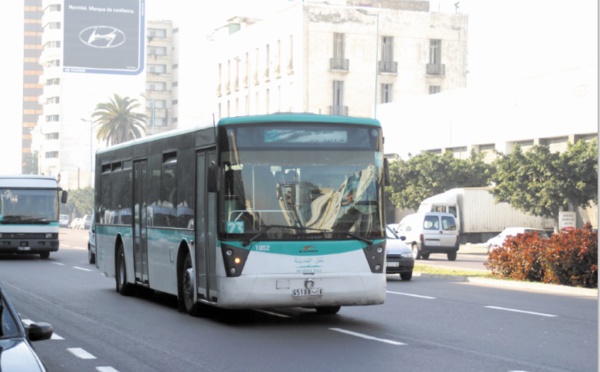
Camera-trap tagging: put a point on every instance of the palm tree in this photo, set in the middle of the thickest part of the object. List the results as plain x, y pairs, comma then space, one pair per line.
117, 122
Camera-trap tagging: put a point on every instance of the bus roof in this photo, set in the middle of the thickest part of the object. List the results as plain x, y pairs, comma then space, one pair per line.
293, 117
28, 181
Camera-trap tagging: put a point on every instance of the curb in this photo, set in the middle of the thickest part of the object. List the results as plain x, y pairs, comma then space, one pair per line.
510, 284
553, 288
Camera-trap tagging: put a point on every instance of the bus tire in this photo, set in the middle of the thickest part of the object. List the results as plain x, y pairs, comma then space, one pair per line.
328, 310
91, 256
186, 289
123, 287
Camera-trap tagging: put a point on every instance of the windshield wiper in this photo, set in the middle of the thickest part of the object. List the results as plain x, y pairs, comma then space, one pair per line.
355, 236
266, 228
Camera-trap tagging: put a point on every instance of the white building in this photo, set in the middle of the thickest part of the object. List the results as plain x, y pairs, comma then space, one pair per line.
554, 110
339, 59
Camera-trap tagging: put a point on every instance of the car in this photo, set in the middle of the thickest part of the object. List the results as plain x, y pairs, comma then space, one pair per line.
430, 232
87, 221
498, 240
63, 220
399, 256
76, 223
16, 349
92, 243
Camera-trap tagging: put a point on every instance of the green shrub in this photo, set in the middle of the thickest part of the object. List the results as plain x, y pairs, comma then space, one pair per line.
567, 258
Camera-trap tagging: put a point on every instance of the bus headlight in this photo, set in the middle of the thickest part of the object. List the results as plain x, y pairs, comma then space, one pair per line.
49, 235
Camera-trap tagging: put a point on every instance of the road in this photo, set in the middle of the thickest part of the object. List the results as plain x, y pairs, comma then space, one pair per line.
426, 324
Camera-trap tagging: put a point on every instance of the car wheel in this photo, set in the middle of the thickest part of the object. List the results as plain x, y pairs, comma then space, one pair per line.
123, 287
91, 256
425, 256
45, 255
415, 251
451, 256
328, 310
406, 276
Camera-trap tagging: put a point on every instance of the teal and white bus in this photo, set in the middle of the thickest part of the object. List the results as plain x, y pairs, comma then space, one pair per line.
279, 210
29, 206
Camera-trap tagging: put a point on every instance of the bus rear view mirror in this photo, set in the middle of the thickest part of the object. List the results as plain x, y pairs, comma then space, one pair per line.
214, 177
63, 196
386, 172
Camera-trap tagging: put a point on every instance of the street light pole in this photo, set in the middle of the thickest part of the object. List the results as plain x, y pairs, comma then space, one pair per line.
91, 150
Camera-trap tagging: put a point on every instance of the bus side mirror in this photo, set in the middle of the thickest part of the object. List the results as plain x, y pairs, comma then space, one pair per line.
386, 172
214, 177
63, 197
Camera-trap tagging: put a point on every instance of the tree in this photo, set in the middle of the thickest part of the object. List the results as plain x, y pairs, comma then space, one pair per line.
117, 121
428, 174
79, 203
542, 183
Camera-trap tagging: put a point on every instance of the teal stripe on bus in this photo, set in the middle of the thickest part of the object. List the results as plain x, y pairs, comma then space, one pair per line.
305, 248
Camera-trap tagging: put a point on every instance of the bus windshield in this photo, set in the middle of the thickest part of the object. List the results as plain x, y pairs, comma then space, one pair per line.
300, 182
22, 206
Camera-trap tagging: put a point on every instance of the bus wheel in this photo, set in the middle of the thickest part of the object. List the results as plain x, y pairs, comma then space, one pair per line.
44, 255
186, 290
123, 287
328, 310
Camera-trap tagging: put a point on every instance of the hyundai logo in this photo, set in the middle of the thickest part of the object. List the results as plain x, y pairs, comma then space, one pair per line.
103, 37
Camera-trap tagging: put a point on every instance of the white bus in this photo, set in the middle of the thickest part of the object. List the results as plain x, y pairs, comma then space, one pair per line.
29, 214
281, 210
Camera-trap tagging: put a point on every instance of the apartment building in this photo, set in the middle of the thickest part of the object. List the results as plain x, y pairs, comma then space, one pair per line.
339, 59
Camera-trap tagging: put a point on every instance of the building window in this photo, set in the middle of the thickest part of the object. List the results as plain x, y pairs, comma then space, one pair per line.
157, 103
386, 93
52, 118
338, 107
157, 32
434, 89
338, 62
435, 51
387, 63
157, 69
51, 154
52, 136
156, 85
157, 51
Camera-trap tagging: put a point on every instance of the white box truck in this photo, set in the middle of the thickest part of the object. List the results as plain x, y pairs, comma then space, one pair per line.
478, 215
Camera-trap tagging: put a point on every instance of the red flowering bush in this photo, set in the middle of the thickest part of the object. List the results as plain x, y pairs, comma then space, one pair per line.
567, 258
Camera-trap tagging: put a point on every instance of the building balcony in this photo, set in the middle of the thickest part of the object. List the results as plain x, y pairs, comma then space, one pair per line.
338, 110
342, 64
437, 69
388, 67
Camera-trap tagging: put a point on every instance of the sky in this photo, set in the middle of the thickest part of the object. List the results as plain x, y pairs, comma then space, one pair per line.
507, 40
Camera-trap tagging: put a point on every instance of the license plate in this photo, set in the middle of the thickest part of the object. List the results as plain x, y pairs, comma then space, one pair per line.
393, 264
307, 292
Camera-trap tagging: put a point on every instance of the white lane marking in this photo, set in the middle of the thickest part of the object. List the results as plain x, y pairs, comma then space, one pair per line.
411, 295
80, 353
367, 336
521, 311
58, 263
56, 337
106, 369
81, 268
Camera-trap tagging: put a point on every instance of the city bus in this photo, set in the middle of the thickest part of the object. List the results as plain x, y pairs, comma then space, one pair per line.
253, 212
29, 209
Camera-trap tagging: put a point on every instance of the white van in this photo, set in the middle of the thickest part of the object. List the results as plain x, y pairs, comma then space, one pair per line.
430, 232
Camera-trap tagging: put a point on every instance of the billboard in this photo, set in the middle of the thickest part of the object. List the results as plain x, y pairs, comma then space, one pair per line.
104, 36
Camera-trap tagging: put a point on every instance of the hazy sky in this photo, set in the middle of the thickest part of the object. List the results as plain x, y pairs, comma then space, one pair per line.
507, 40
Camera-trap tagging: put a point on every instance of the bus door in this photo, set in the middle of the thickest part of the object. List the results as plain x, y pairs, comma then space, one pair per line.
140, 247
206, 229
